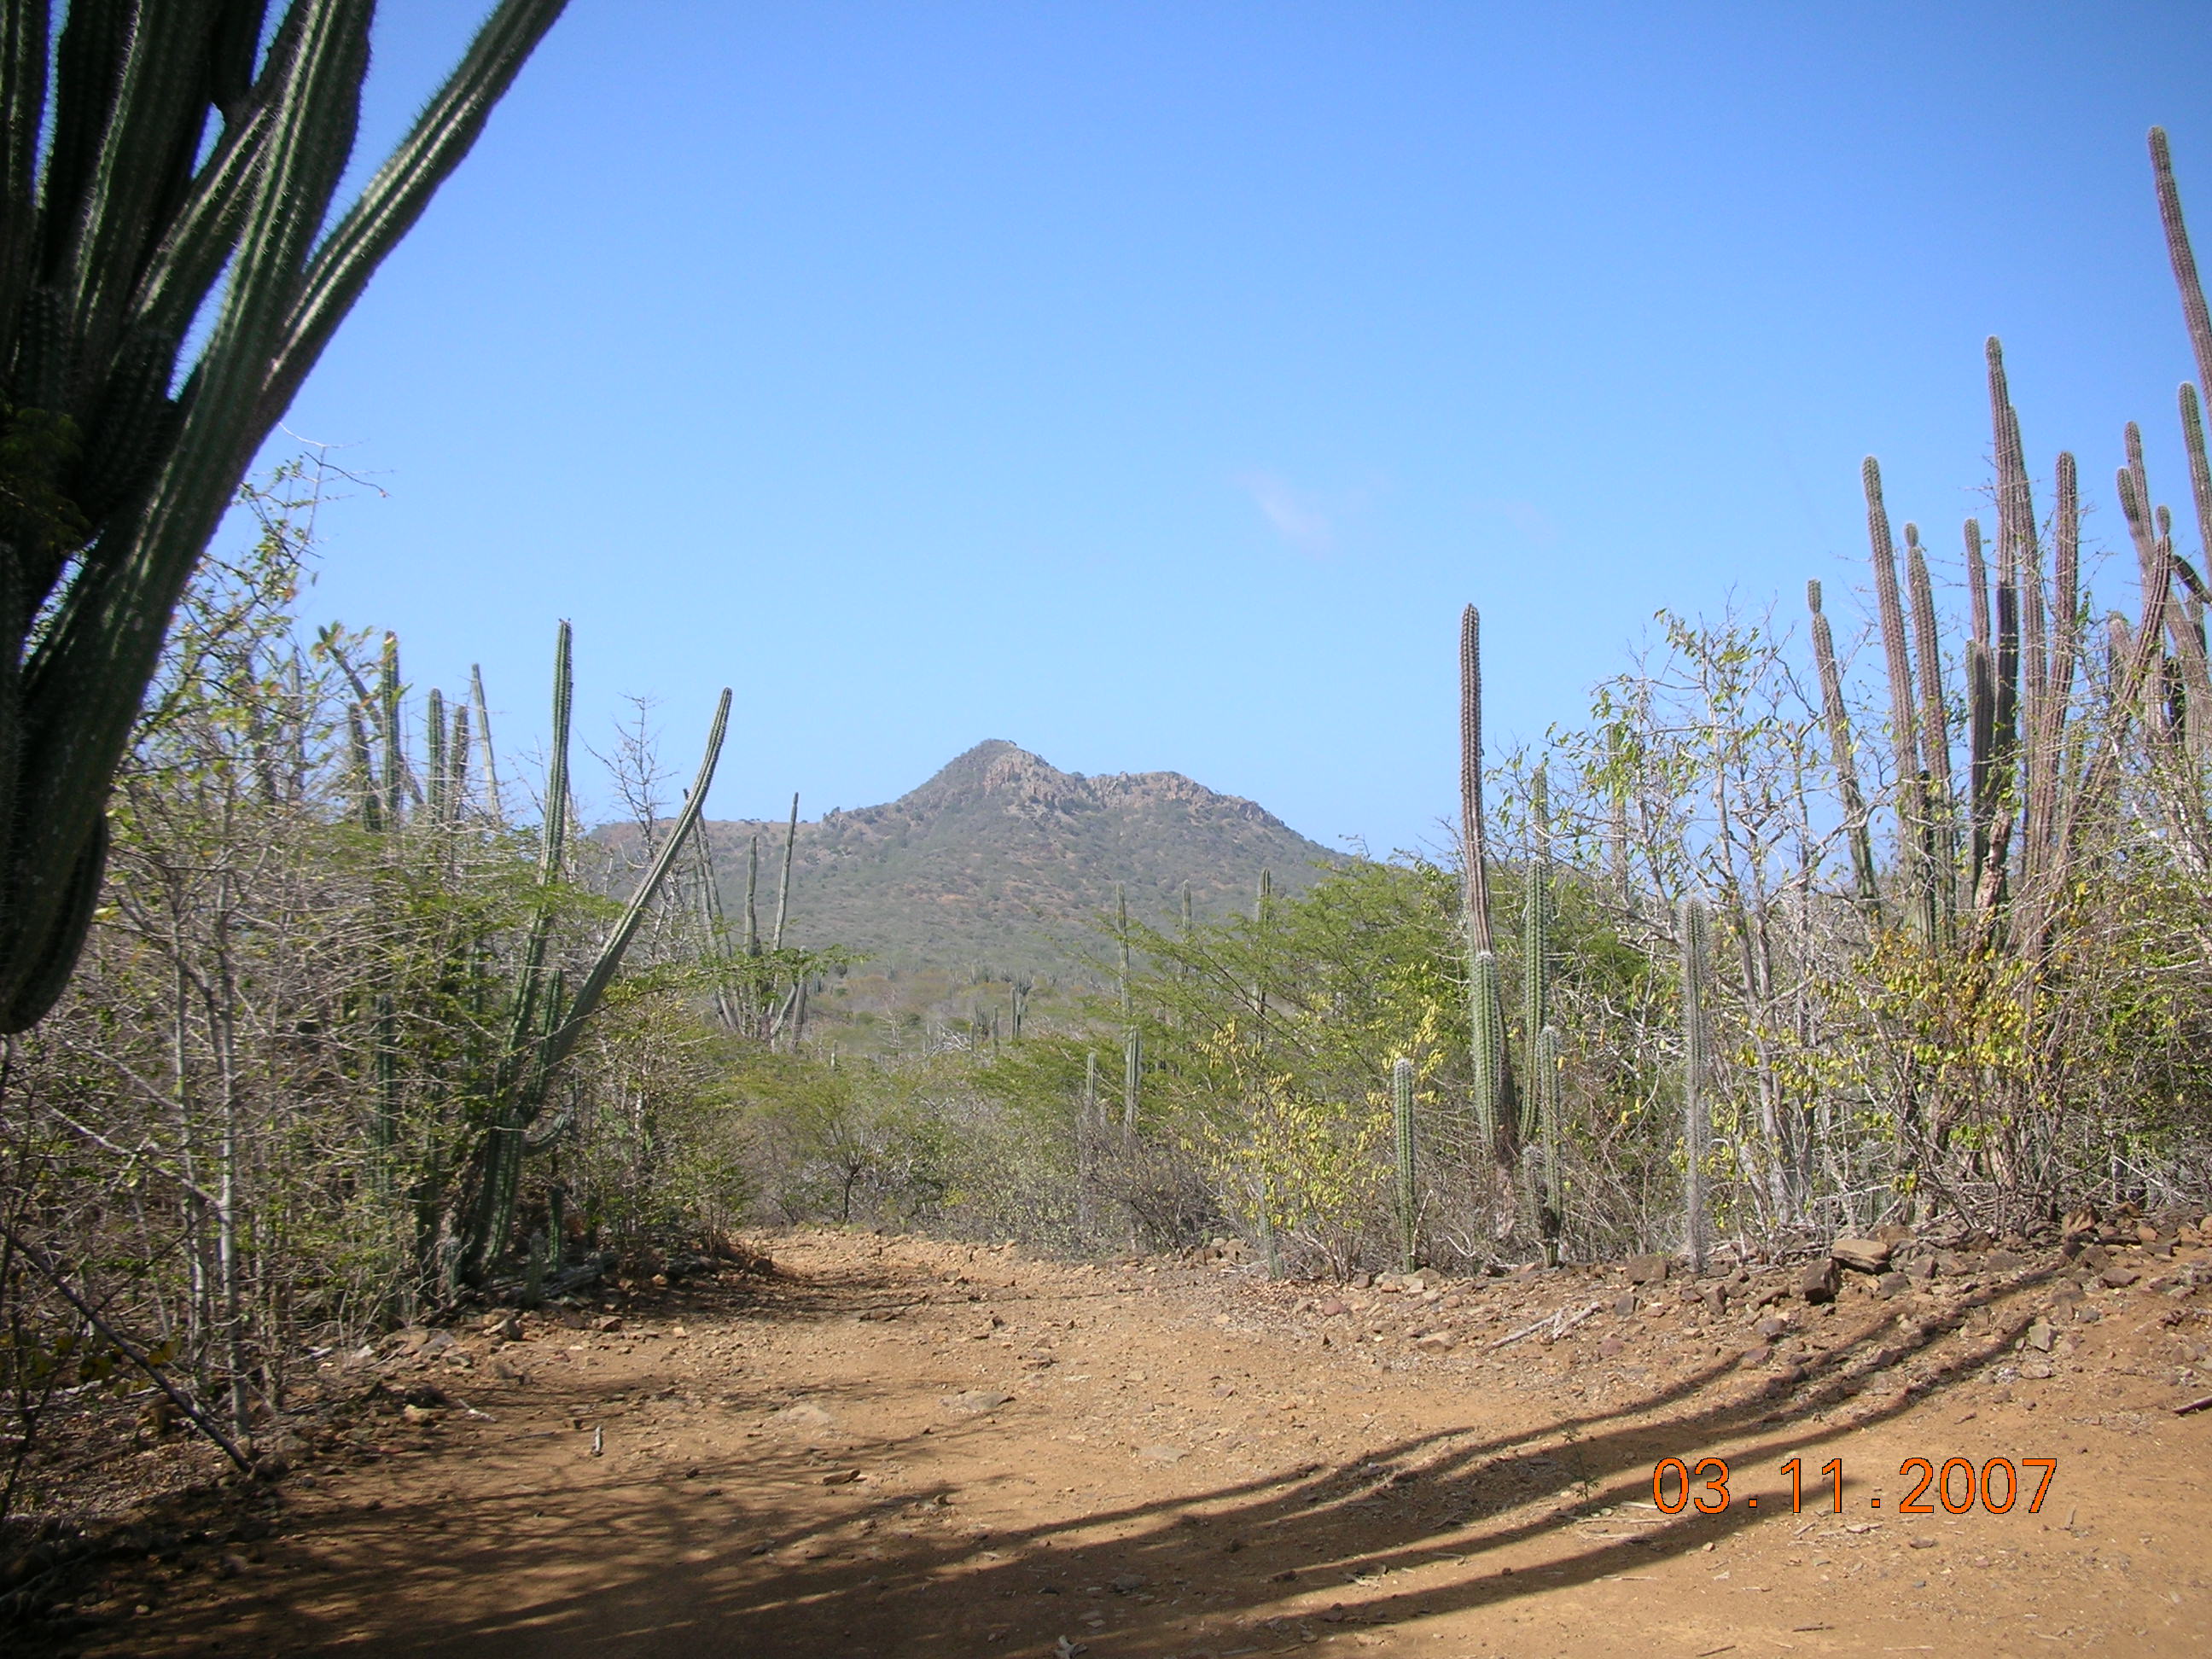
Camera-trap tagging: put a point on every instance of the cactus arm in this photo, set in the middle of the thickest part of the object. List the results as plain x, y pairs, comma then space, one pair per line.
23, 44
145, 153
1493, 1070
1842, 759
1536, 950
403, 187
1943, 836
783, 893
82, 687
2183, 258
492, 802
562, 1039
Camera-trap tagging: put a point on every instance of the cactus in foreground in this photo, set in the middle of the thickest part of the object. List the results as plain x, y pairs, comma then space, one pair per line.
1696, 1122
1401, 1122
171, 151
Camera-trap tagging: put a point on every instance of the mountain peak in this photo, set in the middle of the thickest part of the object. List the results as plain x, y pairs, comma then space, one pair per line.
992, 767
1001, 857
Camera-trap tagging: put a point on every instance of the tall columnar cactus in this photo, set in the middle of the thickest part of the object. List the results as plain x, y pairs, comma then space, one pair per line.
1904, 709
494, 808
1544, 1082
1487, 1012
783, 889
1842, 759
1697, 1118
2193, 311
1535, 945
1133, 1074
1401, 1122
1493, 1070
1942, 839
151, 153
547, 1020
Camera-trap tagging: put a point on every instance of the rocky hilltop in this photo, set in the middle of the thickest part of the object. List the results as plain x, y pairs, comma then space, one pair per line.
1003, 862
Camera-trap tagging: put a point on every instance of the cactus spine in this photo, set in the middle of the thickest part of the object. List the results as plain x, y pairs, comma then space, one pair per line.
1402, 1119
1697, 1120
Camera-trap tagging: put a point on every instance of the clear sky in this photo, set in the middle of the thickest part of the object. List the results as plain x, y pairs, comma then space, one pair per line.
1150, 384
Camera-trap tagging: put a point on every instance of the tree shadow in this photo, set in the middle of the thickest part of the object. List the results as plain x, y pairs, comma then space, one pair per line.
755, 1555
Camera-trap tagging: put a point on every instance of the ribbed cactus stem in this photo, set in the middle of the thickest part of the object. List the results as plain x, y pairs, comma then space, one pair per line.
433, 732
1133, 1071
2184, 259
783, 891
1697, 1120
394, 735
752, 900
1402, 1119
1545, 1062
1489, 1039
1121, 935
492, 804
1494, 1074
1904, 713
1536, 946
458, 760
1842, 759
1942, 836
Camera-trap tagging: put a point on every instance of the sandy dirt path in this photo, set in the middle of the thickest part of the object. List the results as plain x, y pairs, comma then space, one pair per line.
900, 1448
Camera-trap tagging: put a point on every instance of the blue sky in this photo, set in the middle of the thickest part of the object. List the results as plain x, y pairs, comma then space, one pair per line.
1152, 384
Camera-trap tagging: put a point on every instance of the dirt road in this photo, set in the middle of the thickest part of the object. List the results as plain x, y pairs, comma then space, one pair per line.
895, 1447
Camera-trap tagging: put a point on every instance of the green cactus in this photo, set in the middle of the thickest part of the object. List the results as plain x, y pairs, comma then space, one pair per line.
1696, 1122
1942, 838
1841, 758
1401, 1120
1495, 1118
1489, 1040
493, 808
433, 732
1535, 946
2193, 310
152, 154
1133, 1071
1544, 1083
783, 891
547, 1020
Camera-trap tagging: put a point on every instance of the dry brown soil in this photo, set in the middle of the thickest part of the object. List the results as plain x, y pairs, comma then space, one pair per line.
897, 1446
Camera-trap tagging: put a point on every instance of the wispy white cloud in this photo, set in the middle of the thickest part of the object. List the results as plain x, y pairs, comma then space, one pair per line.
1302, 519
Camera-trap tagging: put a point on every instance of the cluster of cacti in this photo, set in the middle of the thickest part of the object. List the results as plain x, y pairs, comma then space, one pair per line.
1514, 1113
151, 153
2032, 784
546, 1020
